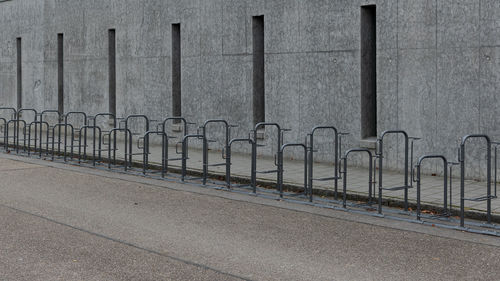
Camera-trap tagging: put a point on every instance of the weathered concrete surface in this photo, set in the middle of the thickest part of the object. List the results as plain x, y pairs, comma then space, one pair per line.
62, 222
37, 249
437, 63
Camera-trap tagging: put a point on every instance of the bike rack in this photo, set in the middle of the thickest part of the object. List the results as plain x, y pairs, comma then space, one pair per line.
58, 127
445, 183
113, 132
17, 133
185, 152
185, 124
111, 117
94, 128
255, 145
227, 136
4, 126
13, 115
164, 151
12, 135
337, 149
16, 129
130, 153
371, 183
253, 183
36, 124
280, 166
59, 119
67, 117
488, 196
380, 154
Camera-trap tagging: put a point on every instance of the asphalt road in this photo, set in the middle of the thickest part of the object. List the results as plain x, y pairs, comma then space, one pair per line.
59, 222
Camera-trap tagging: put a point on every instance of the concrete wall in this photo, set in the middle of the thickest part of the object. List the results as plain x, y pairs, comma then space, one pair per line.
438, 63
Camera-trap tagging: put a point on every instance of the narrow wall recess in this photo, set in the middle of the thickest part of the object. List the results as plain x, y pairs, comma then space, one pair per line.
176, 70
19, 74
112, 70
60, 73
259, 112
368, 72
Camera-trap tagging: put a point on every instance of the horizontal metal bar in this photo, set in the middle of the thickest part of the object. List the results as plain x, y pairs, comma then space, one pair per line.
216, 165
267, 172
327, 179
396, 188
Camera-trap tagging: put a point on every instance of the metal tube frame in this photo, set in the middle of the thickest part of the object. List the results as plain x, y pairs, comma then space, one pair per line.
17, 134
185, 152
3, 133
311, 150
253, 183
58, 126
488, 196
281, 170
185, 124
113, 132
146, 129
164, 151
112, 117
36, 123
380, 155
255, 145
371, 186
447, 212
85, 143
16, 127
227, 136
59, 119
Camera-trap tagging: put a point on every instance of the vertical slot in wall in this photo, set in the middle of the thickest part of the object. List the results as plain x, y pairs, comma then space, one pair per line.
19, 74
176, 70
258, 70
368, 72
112, 71
60, 73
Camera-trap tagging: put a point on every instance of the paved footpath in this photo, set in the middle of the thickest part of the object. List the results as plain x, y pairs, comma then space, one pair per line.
60, 222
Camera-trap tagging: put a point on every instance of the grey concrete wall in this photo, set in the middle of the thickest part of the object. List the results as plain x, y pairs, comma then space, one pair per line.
438, 63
